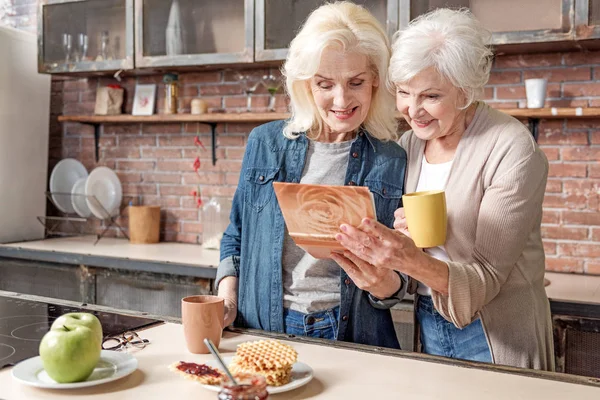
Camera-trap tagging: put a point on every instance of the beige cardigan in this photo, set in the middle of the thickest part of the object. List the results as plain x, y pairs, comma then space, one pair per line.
494, 199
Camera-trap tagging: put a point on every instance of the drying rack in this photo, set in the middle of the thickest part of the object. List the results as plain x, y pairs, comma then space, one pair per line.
53, 224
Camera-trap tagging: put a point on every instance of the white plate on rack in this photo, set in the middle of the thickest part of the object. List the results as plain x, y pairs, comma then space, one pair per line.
104, 192
78, 199
301, 374
63, 177
113, 365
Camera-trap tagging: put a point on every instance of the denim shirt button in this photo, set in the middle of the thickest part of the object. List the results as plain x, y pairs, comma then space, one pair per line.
310, 320
347, 281
383, 191
355, 155
261, 178
345, 318
351, 183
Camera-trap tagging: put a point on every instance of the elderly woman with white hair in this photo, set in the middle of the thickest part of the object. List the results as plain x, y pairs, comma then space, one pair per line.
481, 295
340, 132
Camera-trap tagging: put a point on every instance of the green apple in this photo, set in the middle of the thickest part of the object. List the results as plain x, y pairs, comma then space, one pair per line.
80, 318
70, 353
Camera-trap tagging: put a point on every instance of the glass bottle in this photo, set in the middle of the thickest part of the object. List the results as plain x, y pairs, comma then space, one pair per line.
252, 387
171, 93
212, 231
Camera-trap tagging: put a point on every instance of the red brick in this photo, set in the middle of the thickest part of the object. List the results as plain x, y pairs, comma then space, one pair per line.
594, 102
566, 103
159, 153
105, 141
552, 153
182, 215
88, 96
510, 92
582, 58
579, 249
167, 202
580, 154
528, 60
121, 152
138, 189
135, 165
223, 165
136, 141
568, 170
221, 89
176, 190
595, 234
230, 140
488, 94
592, 268
564, 264
79, 108
205, 155
70, 97
120, 129
178, 141
582, 123
190, 202
564, 233
549, 247
161, 178
233, 153
503, 104
244, 128
148, 79
129, 177
204, 178
582, 186
167, 128
241, 102
594, 171
189, 91
79, 85
558, 137
255, 74
179, 166
581, 89
224, 191
581, 218
550, 217
232, 179
560, 74
201, 77
191, 227
195, 127
504, 77
595, 137
191, 238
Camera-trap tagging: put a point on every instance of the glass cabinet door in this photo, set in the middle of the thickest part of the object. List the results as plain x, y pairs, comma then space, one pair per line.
510, 21
193, 32
277, 22
85, 35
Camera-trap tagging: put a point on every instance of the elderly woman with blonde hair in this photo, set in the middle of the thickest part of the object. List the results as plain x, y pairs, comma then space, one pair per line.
480, 296
340, 132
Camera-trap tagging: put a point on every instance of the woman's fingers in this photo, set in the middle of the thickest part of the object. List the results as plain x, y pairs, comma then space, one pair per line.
358, 242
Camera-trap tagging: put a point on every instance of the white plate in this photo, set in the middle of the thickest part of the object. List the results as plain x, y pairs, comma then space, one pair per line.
105, 186
78, 199
301, 375
113, 365
63, 177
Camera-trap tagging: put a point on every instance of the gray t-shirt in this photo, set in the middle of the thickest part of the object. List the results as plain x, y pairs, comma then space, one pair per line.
310, 284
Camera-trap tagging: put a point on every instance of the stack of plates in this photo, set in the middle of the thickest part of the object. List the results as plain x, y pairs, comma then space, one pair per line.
74, 191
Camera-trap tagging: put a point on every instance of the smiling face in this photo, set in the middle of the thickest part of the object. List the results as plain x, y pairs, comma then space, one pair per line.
343, 89
430, 104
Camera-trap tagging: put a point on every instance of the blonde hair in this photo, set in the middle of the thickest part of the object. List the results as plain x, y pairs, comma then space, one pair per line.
354, 29
453, 42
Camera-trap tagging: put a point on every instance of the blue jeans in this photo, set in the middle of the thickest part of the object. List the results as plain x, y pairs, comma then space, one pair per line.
321, 324
441, 338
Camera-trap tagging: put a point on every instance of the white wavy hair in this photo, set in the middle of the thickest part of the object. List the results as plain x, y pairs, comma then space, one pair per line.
453, 42
354, 29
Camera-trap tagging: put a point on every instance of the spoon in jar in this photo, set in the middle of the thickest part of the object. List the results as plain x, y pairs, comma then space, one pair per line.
212, 348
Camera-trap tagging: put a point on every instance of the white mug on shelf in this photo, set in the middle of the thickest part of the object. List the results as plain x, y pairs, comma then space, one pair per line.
536, 92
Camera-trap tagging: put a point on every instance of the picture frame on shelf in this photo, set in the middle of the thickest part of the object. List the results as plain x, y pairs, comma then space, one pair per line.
144, 99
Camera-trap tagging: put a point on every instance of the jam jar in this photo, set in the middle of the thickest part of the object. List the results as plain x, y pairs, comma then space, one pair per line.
250, 387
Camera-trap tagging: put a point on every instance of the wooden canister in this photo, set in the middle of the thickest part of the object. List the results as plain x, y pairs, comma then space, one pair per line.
144, 224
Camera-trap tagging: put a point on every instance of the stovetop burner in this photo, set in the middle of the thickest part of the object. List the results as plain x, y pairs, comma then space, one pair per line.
23, 323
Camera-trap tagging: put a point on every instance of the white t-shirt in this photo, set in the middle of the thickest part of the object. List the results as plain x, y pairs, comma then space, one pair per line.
433, 177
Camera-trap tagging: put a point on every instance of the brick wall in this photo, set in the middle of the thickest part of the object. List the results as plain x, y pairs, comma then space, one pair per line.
154, 161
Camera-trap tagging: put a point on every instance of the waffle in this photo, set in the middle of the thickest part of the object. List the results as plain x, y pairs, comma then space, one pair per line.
269, 358
206, 376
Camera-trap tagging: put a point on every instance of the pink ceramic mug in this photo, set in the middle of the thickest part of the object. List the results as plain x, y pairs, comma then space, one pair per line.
202, 317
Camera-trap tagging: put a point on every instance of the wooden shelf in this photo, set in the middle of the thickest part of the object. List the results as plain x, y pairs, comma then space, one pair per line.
210, 118
215, 118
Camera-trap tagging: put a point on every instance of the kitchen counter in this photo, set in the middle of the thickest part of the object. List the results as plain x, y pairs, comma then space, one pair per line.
171, 258
339, 373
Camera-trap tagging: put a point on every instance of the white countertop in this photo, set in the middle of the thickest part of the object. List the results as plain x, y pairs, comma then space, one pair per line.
573, 287
168, 252
338, 374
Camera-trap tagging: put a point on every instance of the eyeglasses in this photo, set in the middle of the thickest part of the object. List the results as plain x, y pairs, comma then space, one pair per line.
123, 341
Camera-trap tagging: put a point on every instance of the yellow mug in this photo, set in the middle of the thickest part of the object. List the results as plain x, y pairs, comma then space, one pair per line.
426, 217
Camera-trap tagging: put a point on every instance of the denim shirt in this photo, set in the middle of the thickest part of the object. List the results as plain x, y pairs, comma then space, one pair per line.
252, 244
